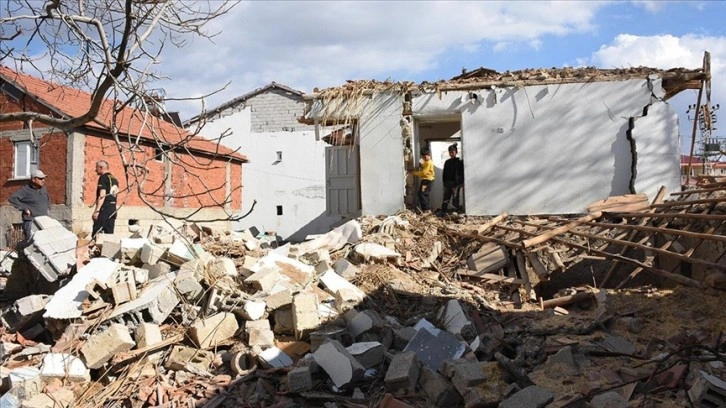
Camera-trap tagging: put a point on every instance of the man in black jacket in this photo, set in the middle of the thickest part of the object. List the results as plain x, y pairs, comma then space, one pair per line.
104, 215
453, 179
32, 200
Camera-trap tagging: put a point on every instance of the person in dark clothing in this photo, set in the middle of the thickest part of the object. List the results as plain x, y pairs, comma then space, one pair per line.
104, 216
32, 200
453, 178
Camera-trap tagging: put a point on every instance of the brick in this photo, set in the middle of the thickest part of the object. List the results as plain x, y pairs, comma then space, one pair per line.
708, 391
25, 382
187, 283
532, 396
403, 372
123, 285
131, 250
274, 357
319, 337
369, 354
156, 300
223, 267
213, 330
248, 265
453, 318
159, 269
111, 246
101, 347
260, 337
254, 309
279, 295
283, 321
305, 314
365, 321
264, 279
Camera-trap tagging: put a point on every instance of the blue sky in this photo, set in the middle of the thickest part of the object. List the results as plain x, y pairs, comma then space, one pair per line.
305, 44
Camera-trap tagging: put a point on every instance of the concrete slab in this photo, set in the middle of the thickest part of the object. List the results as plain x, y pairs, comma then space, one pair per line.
66, 302
53, 249
158, 298
64, 366
101, 347
433, 347
338, 363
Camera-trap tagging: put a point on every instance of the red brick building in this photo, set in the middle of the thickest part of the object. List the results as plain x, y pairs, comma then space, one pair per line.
161, 168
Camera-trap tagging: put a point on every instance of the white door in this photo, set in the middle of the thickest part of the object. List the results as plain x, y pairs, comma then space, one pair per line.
342, 195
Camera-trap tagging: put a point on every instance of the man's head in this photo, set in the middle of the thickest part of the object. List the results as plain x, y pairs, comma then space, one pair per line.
101, 167
37, 177
453, 150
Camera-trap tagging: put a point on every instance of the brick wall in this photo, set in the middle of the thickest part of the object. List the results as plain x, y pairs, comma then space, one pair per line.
276, 110
190, 178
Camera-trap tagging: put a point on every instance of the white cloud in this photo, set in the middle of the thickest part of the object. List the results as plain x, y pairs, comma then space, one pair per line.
319, 44
650, 5
667, 51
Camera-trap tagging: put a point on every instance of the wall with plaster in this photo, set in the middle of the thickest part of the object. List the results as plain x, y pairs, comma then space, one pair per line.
545, 149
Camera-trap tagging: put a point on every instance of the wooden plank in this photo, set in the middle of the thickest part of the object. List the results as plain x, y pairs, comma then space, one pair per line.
560, 230
665, 231
678, 203
529, 277
692, 216
538, 266
493, 278
627, 203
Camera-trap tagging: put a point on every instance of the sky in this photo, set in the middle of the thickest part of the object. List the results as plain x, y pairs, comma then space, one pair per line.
309, 44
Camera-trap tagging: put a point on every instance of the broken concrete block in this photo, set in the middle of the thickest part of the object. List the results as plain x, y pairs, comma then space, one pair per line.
131, 250
346, 269
260, 336
213, 330
280, 295
110, 245
187, 283
490, 257
532, 396
178, 253
223, 266
369, 354
347, 298
402, 336
299, 379
365, 321
24, 311
25, 382
251, 244
254, 309
183, 358
708, 391
101, 347
264, 279
368, 251
467, 375
66, 302
348, 233
402, 374
248, 265
321, 336
433, 347
283, 321
612, 399
148, 334
64, 366
440, 391
52, 250
453, 318
305, 314
151, 253
334, 282
338, 363
123, 285
161, 268
157, 300
275, 358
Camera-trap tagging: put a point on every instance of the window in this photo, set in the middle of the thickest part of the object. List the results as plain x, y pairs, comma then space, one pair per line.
279, 210
159, 154
279, 156
26, 159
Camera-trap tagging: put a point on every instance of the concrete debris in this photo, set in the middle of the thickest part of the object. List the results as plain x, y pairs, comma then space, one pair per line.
402, 311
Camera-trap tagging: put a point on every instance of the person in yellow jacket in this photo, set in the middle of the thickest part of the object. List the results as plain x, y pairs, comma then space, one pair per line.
426, 174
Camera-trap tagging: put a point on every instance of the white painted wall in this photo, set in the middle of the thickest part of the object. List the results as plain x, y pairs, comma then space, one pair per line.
547, 149
297, 182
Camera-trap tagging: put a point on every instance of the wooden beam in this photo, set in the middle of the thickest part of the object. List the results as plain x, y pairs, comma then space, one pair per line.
560, 230
669, 231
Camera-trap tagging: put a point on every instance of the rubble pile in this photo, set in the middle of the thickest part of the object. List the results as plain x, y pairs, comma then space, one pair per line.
398, 311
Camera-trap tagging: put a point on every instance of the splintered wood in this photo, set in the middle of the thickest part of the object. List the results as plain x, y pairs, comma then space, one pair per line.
680, 239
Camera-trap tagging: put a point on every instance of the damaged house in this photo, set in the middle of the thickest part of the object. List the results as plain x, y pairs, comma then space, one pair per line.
546, 141
162, 168
286, 176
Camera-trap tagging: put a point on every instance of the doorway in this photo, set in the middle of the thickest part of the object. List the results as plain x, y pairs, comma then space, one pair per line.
437, 134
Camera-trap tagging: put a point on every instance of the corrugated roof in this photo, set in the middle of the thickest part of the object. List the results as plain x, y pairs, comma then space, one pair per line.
70, 102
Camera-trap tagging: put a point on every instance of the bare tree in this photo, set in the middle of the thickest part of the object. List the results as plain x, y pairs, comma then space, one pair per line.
109, 48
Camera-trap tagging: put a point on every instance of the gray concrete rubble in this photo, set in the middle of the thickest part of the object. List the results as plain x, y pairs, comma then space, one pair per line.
393, 317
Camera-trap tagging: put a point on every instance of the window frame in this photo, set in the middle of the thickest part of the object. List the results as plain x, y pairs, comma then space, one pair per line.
31, 158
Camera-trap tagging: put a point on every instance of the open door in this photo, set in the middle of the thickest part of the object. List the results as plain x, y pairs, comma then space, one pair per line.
342, 186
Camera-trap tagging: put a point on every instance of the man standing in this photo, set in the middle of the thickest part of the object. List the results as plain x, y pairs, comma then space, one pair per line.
426, 173
453, 179
32, 200
104, 215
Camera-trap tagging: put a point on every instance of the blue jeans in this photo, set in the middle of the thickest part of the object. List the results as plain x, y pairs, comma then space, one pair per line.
28, 229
